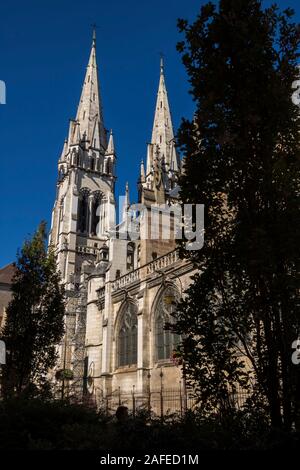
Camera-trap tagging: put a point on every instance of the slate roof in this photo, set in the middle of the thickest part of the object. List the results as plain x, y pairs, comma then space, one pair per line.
6, 273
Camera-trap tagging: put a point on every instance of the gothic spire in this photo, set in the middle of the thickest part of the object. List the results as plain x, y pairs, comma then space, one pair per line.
127, 194
89, 113
162, 133
142, 173
111, 146
126, 203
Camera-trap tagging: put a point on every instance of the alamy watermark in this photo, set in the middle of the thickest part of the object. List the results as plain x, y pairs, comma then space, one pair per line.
162, 222
296, 87
2, 92
296, 353
2, 352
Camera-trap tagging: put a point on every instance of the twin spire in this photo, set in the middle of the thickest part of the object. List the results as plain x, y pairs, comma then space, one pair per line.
162, 133
89, 118
89, 115
162, 140
89, 127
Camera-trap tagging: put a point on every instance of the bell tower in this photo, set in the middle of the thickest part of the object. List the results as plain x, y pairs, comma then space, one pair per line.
83, 214
84, 209
158, 182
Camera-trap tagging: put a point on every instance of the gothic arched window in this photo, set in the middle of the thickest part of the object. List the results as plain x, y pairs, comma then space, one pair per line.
108, 166
165, 341
83, 211
74, 158
95, 213
127, 336
130, 256
61, 173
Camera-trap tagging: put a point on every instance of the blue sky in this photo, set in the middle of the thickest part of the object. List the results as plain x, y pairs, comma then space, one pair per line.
44, 48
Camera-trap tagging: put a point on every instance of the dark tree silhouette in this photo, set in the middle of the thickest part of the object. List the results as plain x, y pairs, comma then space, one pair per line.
34, 323
241, 160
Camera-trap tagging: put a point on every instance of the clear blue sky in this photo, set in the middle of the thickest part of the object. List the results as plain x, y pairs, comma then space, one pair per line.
44, 48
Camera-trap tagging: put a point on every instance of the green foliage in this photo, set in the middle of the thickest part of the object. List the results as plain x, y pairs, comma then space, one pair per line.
35, 319
64, 374
40, 425
242, 162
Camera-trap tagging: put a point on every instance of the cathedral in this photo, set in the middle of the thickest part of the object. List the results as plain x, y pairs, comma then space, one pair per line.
120, 287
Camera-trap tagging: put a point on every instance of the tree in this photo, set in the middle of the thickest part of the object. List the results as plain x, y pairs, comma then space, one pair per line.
35, 318
240, 314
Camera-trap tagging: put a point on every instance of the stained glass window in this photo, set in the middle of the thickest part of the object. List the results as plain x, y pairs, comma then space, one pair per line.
165, 340
127, 336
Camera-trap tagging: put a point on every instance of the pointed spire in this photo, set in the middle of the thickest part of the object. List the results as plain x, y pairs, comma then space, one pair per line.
126, 202
89, 113
64, 151
142, 175
162, 133
174, 160
111, 146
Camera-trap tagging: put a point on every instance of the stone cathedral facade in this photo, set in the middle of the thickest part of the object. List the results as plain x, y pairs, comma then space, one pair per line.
120, 290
